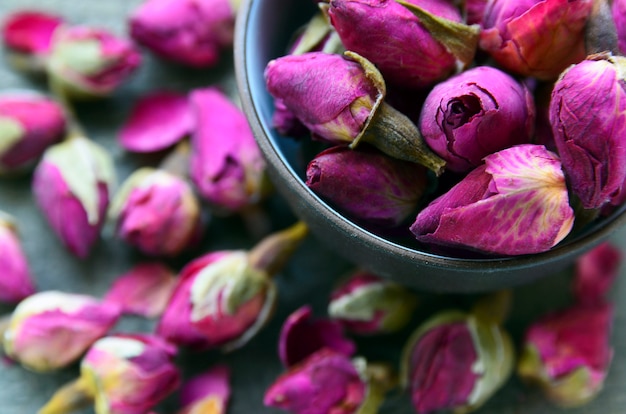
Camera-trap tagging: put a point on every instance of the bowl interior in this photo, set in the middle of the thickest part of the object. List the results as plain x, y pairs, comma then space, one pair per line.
264, 30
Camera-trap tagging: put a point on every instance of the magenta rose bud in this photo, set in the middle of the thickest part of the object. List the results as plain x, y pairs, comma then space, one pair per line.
15, 278
156, 212
367, 304
588, 117
595, 272
29, 123
568, 353
190, 32
50, 330
514, 34
618, 9
516, 203
474, 114
367, 185
71, 186
86, 62
206, 393
226, 163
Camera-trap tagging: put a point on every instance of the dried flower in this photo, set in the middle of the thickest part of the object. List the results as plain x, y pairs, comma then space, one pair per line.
190, 32
516, 203
515, 35
87, 62
50, 330
71, 186
367, 304
596, 271
15, 278
474, 114
618, 9
29, 123
206, 393
588, 117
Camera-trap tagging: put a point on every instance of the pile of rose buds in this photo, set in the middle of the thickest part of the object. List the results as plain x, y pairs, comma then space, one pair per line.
488, 129
513, 165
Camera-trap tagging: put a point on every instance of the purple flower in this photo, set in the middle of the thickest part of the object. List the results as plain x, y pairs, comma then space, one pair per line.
516, 203
595, 272
206, 393
474, 114
618, 9
16, 281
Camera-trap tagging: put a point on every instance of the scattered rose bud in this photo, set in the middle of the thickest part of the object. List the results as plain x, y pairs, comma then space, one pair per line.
588, 117
515, 35
71, 186
120, 374
340, 100
474, 114
618, 8
87, 62
190, 32
207, 393
157, 212
15, 278
158, 121
50, 330
595, 272
516, 203
568, 353
301, 336
367, 185
29, 123
224, 298
226, 163
366, 304
144, 290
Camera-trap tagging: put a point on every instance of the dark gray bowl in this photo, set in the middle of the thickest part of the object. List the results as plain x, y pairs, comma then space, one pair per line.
264, 28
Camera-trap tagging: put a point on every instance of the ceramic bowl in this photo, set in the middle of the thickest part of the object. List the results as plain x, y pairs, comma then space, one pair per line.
264, 29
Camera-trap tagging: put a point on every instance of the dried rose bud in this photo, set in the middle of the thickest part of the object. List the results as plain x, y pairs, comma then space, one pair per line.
87, 62
50, 330
226, 163
71, 186
515, 35
29, 123
595, 272
301, 336
516, 203
568, 353
367, 185
206, 393
15, 278
475, 10
224, 298
588, 117
158, 121
367, 304
120, 374
411, 50
618, 9
474, 114
190, 32
340, 99
157, 212
27, 37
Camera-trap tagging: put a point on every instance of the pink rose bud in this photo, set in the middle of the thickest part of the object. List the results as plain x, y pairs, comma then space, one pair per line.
190, 32
302, 336
226, 163
224, 298
408, 51
158, 121
568, 353
71, 186
87, 62
475, 10
595, 272
207, 393
516, 203
592, 94
15, 278
157, 212
366, 304
474, 114
618, 9
50, 330
514, 34
340, 100
29, 123
367, 185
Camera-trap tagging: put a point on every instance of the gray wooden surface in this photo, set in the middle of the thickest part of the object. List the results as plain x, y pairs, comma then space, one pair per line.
307, 279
